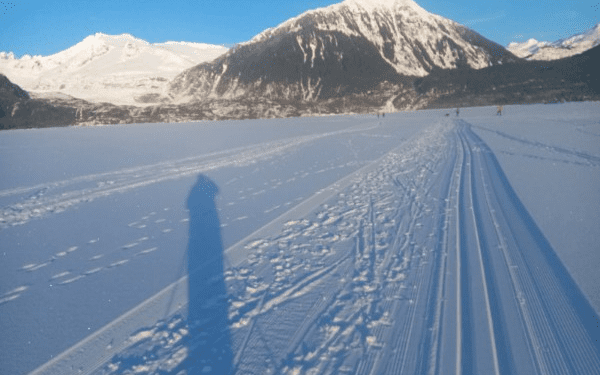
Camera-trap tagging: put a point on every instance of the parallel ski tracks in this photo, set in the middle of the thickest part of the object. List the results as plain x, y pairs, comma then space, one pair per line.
467, 188
472, 263
553, 308
26, 203
529, 308
463, 282
516, 283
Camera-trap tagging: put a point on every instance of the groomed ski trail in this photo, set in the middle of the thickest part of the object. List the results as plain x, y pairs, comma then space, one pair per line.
426, 263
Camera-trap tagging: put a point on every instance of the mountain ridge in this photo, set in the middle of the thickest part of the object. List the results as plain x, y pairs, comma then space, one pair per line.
349, 57
533, 49
344, 48
107, 68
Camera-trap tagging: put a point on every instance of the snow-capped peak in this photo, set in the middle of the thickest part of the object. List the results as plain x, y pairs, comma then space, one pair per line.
354, 6
591, 35
104, 67
190, 44
527, 48
530, 42
371, 5
573, 45
373, 39
7, 56
116, 39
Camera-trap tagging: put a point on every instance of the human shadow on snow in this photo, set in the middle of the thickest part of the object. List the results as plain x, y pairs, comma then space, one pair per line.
200, 343
209, 342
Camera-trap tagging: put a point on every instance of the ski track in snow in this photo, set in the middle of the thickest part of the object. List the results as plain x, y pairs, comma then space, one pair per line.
582, 157
425, 264
46, 199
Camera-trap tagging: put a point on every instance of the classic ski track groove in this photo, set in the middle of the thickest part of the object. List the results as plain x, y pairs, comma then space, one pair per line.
475, 232
543, 306
458, 265
525, 314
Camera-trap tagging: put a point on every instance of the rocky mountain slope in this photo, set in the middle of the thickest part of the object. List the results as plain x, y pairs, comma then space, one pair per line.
19, 110
118, 69
573, 78
576, 44
350, 47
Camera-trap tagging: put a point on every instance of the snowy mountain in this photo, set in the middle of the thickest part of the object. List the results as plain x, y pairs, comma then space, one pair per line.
352, 46
576, 44
570, 79
357, 56
107, 68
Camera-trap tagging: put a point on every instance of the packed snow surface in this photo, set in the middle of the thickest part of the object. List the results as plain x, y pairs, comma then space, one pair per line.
415, 243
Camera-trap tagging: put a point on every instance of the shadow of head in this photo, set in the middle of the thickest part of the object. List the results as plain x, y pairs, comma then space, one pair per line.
202, 194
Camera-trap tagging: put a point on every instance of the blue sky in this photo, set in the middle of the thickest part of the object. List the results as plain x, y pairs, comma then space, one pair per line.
46, 27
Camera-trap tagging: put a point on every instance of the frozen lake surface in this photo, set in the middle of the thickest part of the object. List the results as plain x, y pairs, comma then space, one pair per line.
415, 243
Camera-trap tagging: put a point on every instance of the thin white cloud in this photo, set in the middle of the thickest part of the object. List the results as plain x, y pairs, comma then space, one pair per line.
492, 17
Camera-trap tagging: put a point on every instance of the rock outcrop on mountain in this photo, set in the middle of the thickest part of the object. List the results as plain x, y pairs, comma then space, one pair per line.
350, 47
18, 110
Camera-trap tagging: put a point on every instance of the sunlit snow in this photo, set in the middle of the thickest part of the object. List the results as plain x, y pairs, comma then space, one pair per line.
417, 243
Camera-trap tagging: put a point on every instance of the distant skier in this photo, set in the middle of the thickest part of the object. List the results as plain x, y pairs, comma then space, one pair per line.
457, 111
499, 112
383, 114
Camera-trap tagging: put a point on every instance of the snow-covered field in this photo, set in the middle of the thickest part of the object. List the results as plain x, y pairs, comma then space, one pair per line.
415, 243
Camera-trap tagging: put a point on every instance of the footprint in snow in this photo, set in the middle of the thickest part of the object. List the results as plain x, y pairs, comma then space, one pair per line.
130, 245
71, 280
147, 251
60, 275
12, 297
93, 271
34, 267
